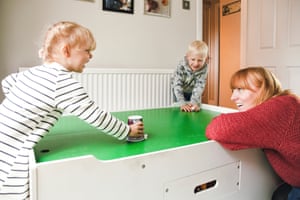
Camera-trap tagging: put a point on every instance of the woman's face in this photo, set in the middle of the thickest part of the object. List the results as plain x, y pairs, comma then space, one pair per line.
245, 99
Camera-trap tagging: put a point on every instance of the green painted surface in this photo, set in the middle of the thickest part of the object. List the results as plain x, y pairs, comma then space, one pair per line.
166, 128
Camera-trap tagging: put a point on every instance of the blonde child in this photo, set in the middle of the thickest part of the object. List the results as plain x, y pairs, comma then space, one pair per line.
36, 98
190, 77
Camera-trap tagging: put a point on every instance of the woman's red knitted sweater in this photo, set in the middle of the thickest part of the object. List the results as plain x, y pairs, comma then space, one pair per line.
273, 126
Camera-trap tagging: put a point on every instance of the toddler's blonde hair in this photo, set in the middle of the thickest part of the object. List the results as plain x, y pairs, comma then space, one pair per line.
198, 47
65, 32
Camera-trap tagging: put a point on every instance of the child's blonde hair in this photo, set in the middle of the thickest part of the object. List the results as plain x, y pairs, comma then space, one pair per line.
198, 47
66, 32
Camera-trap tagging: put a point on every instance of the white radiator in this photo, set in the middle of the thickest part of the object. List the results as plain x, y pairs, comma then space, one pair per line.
127, 89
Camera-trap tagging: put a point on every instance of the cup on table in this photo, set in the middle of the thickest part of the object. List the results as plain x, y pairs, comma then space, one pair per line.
132, 119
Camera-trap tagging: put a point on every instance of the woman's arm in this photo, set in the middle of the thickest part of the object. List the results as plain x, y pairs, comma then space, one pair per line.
263, 126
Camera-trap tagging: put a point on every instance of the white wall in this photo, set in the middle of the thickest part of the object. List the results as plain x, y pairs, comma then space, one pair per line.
123, 40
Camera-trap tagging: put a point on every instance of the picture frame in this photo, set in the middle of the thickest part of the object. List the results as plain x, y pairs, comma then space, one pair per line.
123, 6
161, 8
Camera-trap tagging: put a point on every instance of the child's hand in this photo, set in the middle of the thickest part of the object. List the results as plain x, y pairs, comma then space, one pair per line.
195, 108
190, 108
137, 129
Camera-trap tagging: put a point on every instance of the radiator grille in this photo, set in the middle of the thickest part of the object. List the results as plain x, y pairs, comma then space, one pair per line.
127, 89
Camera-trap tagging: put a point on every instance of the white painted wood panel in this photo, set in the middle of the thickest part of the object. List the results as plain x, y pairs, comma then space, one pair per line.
273, 29
268, 24
294, 24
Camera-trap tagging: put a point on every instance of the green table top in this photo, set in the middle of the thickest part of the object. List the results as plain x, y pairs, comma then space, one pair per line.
166, 128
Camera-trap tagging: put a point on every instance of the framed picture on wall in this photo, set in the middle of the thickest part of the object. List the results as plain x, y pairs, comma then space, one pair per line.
125, 6
160, 8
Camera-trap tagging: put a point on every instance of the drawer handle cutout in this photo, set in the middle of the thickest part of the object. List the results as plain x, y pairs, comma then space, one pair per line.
205, 186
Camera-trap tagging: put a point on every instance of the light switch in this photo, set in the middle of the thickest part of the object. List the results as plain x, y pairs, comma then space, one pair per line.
185, 4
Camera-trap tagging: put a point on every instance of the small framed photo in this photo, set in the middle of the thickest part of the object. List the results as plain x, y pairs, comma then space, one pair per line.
160, 8
124, 6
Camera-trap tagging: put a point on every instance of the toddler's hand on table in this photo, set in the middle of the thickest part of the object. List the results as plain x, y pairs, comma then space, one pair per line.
190, 108
195, 108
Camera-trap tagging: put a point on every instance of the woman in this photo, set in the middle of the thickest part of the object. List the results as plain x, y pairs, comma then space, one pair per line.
269, 118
